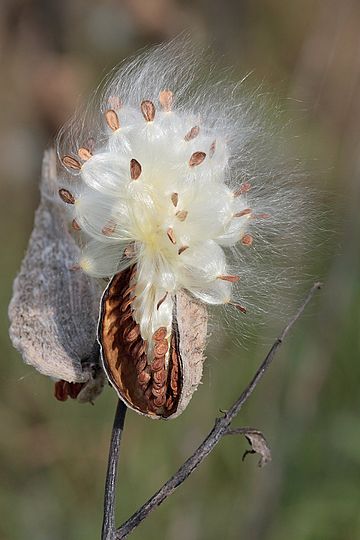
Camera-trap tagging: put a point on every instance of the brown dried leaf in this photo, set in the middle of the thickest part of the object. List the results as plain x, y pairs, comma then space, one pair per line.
53, 310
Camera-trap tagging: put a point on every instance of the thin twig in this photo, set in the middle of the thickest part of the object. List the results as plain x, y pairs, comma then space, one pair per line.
108, 527
219, 430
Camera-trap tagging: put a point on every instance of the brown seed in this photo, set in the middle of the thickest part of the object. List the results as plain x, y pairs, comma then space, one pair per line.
247, 240
160, 348
129, 251
182, 249
161, 300
160, 334
148, 110
160, 377
239, 307
261, 216
112, 119
158, 391
230, 278
194, 132
197, 158
166, 98
143, 377
71, 162
245, 212
175, 198
127, 304
171, 235
135, 169
160, 401
141, 364
75, 225
84, 153
109, 228
133, 334
128, 291
182, 215
158, 363
212, 149
66, 196
244, 188
169, 403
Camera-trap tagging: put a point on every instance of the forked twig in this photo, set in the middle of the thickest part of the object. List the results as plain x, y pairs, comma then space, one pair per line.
220, 429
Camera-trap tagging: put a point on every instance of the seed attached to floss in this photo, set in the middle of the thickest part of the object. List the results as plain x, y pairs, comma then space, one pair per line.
182, 249
171, 235
244, 188
75, 225
84, 153
231, 279
109, 228
181, 215
247, 240
135, 169
194, 132
71, 163
175, 198
66, 196
148, 110
197, 158
112, 119
166, 99
245, 212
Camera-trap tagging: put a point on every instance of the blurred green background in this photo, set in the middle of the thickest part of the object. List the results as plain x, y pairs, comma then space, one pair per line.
53, 455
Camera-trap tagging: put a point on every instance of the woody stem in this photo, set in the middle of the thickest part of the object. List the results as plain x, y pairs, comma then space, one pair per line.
108, 526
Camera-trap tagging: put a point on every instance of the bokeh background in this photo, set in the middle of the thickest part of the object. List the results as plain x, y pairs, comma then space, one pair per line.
53, 455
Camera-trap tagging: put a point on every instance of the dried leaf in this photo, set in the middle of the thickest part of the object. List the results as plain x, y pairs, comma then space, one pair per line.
53, 311
257, 442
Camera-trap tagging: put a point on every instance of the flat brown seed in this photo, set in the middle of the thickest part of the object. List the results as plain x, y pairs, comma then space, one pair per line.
141, 364
160, 377
194, 132
239, 307
84, 154
171, 235
247, 240
143, 377
160, 348
166, 98
75, 225
182, 215
109, 228
158, 363
245, 212
197, 158
148, 110
161, 300
135, 169
212, 149
112, 119
182, 249
244, 188
160, 334
175, 198
160, 401
71, 163
133, 334
129, 251
230, 278
66, 196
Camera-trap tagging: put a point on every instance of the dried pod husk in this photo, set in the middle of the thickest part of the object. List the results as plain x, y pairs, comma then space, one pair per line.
157, 379
54, 309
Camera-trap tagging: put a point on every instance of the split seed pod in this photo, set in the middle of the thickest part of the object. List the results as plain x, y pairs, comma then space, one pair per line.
54, 308
156, 379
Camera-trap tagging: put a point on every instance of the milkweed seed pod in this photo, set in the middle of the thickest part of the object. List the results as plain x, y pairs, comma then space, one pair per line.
53, 311
169, 180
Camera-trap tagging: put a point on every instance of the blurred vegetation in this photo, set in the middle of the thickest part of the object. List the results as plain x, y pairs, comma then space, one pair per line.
53, 455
